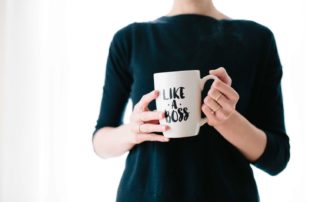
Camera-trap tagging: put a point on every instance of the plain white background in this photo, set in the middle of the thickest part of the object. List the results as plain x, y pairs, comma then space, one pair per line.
52, 57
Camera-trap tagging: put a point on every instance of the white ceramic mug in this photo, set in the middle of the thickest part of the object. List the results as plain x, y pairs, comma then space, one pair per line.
180, 99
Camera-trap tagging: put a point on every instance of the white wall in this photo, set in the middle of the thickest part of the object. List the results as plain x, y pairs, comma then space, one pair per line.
53, 56
312, 72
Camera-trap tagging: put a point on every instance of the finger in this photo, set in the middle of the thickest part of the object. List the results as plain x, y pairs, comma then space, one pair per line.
147, 109
214, 118
226, 90
150, 128
215, 94
154, 121
207, 111
227, 107
225, 103
148, 116
139, 138
222, 74
145, 100
212, 104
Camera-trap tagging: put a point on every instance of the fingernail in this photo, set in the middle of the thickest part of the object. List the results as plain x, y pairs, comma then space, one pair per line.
165, 128
161, 116
165, 139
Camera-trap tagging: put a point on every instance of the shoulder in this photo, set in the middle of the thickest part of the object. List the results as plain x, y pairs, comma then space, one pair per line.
133, 33
129, 29
250, 27
123, 37
249, 33
249, 24
122, 33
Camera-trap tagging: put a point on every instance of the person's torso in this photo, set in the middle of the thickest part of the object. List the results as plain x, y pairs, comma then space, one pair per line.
205, 167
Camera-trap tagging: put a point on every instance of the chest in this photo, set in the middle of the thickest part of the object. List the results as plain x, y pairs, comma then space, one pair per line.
196, 56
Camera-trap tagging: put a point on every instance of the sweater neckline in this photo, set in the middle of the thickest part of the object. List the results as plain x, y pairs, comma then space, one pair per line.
187, 17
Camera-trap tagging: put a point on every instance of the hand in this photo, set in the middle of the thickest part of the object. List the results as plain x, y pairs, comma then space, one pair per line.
221, 100
144, 122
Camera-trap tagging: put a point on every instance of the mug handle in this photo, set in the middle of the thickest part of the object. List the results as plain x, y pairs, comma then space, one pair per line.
202, 82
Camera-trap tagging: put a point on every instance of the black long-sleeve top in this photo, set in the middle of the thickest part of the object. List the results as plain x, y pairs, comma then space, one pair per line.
205, 167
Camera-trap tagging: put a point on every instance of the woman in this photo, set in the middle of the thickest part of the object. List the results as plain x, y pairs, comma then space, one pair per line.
215, 165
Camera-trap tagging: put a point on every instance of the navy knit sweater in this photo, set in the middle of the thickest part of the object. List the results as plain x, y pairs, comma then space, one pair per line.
205, 167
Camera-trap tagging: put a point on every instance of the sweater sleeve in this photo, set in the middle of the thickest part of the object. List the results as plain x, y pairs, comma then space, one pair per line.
268, 113
117, 83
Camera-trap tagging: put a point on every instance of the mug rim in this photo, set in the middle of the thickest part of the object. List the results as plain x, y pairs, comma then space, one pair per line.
180, 71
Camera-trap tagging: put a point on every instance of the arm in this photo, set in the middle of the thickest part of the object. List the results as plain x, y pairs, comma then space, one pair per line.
267, 113
111, 141
111, 137
247, 138
261, 137
114, 141
219, 107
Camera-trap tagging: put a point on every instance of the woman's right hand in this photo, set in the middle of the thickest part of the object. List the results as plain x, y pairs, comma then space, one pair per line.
143, 122
114, 141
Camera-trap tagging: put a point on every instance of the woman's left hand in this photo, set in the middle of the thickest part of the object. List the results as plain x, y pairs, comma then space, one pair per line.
221, 100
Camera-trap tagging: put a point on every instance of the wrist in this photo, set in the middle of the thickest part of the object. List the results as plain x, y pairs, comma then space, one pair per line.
127, 137
242, 134
230, 121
